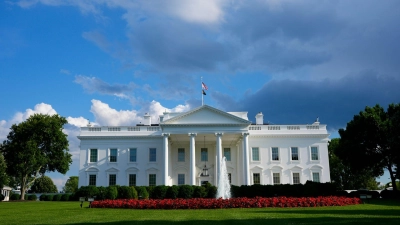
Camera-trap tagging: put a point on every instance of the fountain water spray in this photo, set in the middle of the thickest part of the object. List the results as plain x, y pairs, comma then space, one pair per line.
224, 187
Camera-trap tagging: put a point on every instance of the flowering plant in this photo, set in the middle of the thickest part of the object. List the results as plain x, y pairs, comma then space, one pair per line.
203, 203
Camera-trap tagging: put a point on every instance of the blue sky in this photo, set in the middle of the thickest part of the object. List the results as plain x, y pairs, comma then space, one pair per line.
111, 61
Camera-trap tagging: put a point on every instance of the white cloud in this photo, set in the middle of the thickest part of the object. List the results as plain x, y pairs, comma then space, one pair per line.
78, 122
107, 116
197, 11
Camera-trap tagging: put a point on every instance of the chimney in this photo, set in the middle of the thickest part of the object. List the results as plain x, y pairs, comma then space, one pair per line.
259, 118
147, 119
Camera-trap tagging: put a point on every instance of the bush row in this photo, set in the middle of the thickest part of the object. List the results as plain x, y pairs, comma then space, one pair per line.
146, 192
309, 189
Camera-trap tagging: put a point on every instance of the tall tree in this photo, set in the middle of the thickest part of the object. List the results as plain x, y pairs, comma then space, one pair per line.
342, 174
34, 147
3, 175
44, 184
71, 186
371, 141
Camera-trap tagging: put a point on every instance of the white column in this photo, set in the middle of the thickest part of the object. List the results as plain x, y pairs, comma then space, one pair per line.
192, 158
246, 176
219, 154
165, 141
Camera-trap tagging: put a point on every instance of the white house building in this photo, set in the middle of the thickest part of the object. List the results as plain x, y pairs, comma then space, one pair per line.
186, 148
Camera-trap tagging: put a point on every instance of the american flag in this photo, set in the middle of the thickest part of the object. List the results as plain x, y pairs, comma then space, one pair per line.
204, 86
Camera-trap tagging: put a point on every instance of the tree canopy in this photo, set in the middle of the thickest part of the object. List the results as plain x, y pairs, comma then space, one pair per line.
71, 186
370, 143
44, 184
342, 174
3, 174
34, 147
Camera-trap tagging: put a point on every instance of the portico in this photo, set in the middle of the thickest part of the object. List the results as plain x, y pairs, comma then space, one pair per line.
203, 151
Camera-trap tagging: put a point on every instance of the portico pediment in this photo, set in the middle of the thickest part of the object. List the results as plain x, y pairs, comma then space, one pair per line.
206, 115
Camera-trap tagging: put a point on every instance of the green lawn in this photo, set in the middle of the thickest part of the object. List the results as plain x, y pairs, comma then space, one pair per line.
376, 212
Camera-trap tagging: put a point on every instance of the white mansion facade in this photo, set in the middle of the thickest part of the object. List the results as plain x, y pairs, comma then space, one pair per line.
186, 148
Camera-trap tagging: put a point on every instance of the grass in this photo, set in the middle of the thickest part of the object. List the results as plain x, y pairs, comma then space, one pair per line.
376, 212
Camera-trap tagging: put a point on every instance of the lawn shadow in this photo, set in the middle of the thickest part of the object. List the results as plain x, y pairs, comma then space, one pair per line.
309, 220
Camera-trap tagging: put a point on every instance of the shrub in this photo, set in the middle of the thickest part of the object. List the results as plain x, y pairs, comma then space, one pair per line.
185, 191
45, 197
142, 192
2, 197
199, 192
150, 190
111, 192
342, 193
101, 194
160, 192
134, 192
86, 191
211, 191
388, 194
31, 197
172, 192
126, 192
57, 197
65, 197
14, 197
42, 197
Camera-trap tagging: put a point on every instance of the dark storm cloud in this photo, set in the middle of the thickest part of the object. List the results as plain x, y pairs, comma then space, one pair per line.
335, 102
251, 37
178, 46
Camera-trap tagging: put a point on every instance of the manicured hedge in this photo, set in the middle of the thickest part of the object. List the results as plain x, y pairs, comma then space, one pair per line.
65, 197
310, 189
172, 192
142, 192
57, 197
31, 197
46, 197
14, 197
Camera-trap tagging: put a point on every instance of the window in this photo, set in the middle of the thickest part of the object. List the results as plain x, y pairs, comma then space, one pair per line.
93, 155
295, 153
132, 179
227, 154
315, 177
275, 154
92, 180
276, 178
296, 178
181, 179
230, 178
314, 153
152, 155
132, 155
112, 179
256, 178
255, 154
181, 155
113, 155
204, 155
152, 180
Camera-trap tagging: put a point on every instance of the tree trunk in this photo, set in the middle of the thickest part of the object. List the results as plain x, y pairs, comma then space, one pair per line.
392, 178
23, 187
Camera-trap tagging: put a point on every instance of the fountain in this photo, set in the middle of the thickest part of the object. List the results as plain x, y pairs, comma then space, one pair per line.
224, 187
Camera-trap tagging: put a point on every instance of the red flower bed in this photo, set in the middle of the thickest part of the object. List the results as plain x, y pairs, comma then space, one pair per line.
204, 203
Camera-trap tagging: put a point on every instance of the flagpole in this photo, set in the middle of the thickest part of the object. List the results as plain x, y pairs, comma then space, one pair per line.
202, 100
